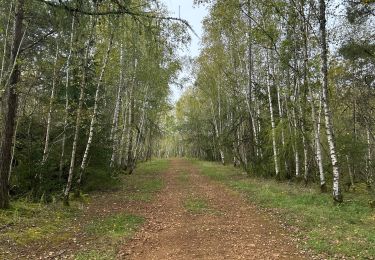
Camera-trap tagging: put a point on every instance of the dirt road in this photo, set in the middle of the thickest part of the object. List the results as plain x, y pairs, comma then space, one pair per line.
196, 218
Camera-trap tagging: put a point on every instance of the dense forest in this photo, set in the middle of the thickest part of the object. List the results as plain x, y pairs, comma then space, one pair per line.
84, 86
283, 89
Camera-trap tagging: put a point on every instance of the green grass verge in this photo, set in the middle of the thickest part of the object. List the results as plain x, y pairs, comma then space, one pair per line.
196, 205
337, 230
145, 181
183, 177
116, 226
25, 221
96, 255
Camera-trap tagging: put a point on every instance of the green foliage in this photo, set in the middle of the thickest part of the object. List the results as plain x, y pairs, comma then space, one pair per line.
355, 50
99, 179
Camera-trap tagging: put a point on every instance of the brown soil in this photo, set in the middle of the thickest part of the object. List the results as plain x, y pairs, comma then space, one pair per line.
232, 229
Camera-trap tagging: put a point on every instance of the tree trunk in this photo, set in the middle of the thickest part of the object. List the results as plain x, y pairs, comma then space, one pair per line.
62, 156
122, 148
273, 125
46, 142
130, 131
318, 147
93, 117
5, 44
351, 177
10, 108
114, 129
78, 119
369, 160
139, 134
337, 196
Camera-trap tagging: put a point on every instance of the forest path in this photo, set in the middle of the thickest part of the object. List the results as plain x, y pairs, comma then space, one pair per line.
196, 218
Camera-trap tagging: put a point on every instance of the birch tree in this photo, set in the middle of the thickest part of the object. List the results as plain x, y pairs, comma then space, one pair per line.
337, 196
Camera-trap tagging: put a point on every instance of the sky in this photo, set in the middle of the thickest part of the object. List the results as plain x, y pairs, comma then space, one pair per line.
194, 15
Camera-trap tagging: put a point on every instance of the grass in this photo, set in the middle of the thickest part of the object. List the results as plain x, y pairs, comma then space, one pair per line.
26, 223
197, 205
116, 226
145, 181
109, 231
183, 177
346, 230
96, 255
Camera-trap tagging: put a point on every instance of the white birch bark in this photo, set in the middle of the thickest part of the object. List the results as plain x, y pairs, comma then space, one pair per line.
66, 114
51, 101
140, 132
95, 113
114, 129
130, 130
295, 127
273, 125
351, 177
318, 147
369, 160
78, 117
120, 159
5, 44
13, 149
222, 158
337, 196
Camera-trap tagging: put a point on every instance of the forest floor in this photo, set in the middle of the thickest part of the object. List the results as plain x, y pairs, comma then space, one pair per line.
184, 209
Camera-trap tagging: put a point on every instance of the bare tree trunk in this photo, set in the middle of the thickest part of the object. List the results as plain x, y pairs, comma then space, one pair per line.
62, 156
5, 43
13, 149
10, 108
318, 147
337, 196
115, 120
93, 116
130, 131
46, 143
305, 84
351, 177
273, 125
139, 134
217, 133
121, 157
78, 118
369, 160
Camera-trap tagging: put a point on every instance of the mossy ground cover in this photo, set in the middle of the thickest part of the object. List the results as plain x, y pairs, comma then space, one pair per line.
109, 232
27, 223
345, 230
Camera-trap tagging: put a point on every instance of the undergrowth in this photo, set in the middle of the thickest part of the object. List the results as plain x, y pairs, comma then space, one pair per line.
27, 222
